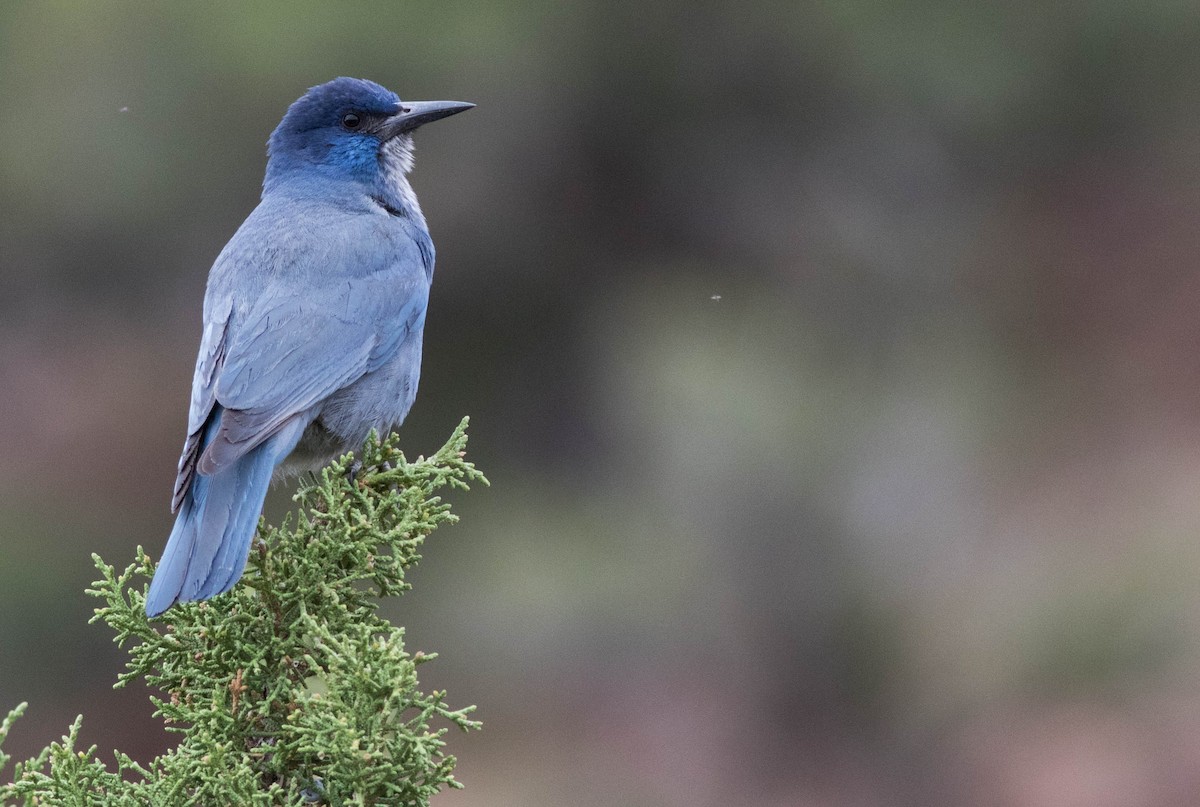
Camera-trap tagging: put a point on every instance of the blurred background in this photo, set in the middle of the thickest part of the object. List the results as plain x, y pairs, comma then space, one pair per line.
836, 367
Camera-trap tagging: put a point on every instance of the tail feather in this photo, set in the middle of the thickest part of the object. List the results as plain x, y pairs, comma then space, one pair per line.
207, 549
241, 519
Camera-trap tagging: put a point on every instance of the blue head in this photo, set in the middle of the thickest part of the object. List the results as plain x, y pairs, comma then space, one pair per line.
350, 129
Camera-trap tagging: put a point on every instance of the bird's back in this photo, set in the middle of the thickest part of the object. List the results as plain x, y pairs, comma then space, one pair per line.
343, 276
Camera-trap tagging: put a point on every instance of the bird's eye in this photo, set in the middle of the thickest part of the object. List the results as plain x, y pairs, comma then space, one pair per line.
351, 121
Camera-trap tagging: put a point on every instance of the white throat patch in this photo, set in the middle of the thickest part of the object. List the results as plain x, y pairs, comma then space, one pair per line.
397, 162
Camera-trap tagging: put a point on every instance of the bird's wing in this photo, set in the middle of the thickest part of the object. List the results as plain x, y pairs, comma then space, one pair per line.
204, 380
308, 332
291, 353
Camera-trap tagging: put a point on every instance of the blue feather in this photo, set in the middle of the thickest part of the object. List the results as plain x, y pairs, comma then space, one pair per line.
208, 547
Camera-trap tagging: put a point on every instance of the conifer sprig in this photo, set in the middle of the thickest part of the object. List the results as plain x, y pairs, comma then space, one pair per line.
290, 689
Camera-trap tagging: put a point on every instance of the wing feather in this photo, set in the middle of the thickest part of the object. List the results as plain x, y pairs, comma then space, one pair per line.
208, 364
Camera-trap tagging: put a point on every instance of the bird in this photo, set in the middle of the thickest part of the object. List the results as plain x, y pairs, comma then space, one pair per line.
312, 327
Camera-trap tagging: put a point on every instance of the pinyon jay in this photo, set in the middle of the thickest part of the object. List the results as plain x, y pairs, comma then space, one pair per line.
312, 324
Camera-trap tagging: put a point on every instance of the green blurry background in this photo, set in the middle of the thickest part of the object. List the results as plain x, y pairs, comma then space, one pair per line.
836, 367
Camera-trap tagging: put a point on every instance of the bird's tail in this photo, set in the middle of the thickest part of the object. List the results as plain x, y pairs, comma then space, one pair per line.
207, 550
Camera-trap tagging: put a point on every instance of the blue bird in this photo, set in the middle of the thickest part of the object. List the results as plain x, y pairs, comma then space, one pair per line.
312, 324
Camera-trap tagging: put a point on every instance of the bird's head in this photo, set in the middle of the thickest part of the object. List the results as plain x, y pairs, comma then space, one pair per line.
350, 128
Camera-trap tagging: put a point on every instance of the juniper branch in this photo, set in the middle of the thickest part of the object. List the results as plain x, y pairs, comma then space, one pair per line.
291, 689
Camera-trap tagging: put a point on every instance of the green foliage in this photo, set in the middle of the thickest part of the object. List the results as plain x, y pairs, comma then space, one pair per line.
291, 689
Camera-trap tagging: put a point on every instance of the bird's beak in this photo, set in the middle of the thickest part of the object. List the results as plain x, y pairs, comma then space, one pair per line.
417, 113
